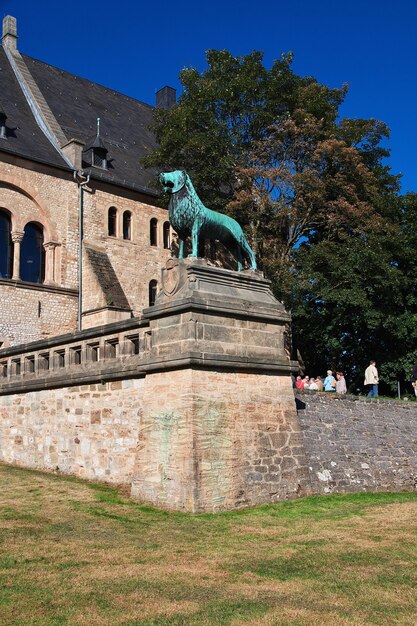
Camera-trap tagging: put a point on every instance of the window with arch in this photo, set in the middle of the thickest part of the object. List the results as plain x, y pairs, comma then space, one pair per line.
153, 235
32, 254
153, 286
112, 222
6, 245
127, 225
167, 236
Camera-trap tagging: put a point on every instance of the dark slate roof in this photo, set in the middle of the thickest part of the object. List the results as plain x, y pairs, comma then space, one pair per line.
24, 137
106, 276
124, 121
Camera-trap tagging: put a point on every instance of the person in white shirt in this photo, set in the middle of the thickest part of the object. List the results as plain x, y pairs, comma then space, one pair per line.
372, 379
313, 385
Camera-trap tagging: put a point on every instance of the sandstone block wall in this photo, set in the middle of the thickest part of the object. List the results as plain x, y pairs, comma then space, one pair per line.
30, 312
134, 260
228, 336
358, 444
202, 440
218, 440
193, 405
89, 431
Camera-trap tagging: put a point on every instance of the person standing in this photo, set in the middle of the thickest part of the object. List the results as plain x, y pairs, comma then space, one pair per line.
329, 382
372, 379
313, 385
340, 383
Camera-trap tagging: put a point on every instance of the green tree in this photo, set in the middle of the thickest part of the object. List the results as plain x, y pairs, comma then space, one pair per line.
224, 111
302, 182
356, 299
265, 145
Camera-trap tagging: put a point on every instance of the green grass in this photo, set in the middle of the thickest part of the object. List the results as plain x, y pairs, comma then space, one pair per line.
80, 553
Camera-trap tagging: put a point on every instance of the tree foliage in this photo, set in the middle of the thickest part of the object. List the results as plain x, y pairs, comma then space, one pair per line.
225, 110
356, 299
316, 198
301, 183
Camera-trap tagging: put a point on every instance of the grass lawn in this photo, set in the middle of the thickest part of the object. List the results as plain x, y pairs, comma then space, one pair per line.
82, 553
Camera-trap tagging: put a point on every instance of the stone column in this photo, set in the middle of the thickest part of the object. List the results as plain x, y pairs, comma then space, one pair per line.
17, 238
49, 248
219, 428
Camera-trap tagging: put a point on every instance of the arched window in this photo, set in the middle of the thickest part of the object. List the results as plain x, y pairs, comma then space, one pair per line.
153, 286
167, 236
6, 246
32, 254
153, 235
112, 222
127, 225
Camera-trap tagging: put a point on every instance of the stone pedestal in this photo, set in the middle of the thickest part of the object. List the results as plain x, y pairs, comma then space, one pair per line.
219, 429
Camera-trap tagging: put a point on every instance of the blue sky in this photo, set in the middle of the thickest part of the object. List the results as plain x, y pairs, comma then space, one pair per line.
137, 47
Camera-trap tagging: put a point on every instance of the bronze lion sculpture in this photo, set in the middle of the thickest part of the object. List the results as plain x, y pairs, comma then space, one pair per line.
189, 216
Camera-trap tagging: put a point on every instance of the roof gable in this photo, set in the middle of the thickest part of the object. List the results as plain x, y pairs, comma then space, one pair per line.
24, 137
77, 103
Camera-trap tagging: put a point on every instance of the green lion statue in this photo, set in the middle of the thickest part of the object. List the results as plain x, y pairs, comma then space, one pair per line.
189, 216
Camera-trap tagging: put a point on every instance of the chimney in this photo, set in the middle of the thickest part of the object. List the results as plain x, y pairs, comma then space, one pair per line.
73, 150
9, 37
166, 98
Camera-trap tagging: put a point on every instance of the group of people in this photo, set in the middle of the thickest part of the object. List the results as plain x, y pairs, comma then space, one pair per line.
330, 383
338, 384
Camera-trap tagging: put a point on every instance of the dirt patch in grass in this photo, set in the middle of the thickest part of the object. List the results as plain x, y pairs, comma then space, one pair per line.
79, 553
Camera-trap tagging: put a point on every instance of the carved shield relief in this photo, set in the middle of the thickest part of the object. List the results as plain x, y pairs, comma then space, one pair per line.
170, 277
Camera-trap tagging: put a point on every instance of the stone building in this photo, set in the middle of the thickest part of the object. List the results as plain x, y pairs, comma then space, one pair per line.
70, 171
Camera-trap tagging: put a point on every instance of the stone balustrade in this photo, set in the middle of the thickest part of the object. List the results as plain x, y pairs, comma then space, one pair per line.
103, 353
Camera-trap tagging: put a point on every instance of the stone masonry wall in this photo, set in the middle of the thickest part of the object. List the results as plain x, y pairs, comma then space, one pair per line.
204, 440
134, 260
33, 312
358, 444
218, 440
89, 431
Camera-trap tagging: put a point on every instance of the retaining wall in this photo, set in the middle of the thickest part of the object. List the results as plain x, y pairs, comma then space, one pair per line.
89, 431
357, 443
350, 444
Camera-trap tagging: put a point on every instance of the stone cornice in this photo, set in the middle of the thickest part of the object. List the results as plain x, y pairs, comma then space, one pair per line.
20, 284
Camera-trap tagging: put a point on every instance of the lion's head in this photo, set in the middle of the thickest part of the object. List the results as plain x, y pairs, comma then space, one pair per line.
173, 181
